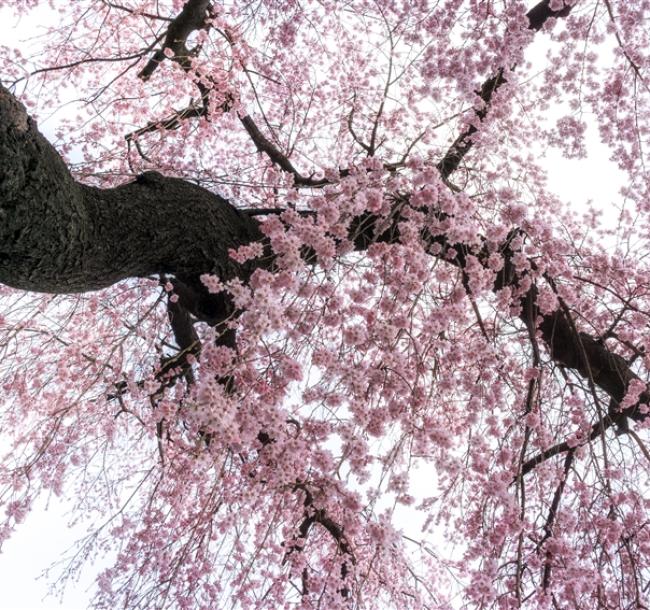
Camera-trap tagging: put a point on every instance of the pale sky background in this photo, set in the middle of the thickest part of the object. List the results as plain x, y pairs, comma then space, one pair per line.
44, 536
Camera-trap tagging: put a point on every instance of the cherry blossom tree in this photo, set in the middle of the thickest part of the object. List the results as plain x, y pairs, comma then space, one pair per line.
290, 312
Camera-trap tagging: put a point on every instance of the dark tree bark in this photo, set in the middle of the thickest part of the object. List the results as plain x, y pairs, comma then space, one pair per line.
60, 236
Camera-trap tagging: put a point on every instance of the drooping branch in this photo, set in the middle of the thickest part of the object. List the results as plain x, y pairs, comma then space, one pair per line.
587, 356
193, 17
552, 514
58, 235
312, 516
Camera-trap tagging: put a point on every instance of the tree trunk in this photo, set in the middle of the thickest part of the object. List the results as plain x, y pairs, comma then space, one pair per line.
60, 236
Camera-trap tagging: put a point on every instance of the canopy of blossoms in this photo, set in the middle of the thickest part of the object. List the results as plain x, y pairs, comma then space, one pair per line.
296, 320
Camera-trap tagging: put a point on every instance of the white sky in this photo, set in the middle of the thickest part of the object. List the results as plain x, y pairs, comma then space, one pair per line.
37, 544
44, 536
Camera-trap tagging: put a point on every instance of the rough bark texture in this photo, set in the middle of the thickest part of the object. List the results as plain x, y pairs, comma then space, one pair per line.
57, 235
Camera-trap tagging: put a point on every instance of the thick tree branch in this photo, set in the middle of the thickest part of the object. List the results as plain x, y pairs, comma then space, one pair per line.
58, 235
542, 12
192, 17
61, 236
277, 157
564, 447
587, 356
